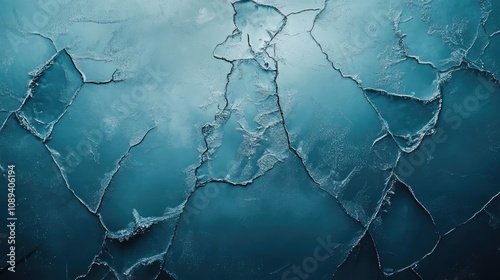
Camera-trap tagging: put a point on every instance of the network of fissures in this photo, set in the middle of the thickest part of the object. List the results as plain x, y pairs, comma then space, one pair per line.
264, 139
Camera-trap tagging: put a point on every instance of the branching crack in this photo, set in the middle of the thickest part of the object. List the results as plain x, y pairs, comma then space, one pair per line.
119, 165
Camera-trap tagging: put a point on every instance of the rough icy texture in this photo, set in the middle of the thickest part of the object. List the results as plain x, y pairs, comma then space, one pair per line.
50, 92
264, 139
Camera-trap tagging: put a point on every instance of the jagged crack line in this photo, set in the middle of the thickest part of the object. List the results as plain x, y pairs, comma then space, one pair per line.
145, 261
94, 261
435, 230
416, 273
470, 65
119, 164
365, 233
480, 27
109, 81
380, 138
45, 37
49, 134
171, 275
61, 172
97, 261
383, 121
36, 76
360, 237
353, 78
90, 20
413, 265
410, 189
358, 84
403, 46
388, 185
5, 121
176, 226
84, 77
288, 139
204, 155
302, 11
473, 216
202, 158
379, 265
297, 154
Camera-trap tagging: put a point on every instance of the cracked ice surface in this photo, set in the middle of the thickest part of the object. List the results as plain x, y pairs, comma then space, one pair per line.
265, 139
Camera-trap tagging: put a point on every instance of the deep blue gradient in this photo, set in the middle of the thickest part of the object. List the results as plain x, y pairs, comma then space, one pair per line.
250, 140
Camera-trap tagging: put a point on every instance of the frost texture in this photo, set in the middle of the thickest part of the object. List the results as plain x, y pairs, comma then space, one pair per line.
264, 139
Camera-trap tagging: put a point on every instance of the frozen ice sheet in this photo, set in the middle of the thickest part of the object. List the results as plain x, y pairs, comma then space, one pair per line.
265, 139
